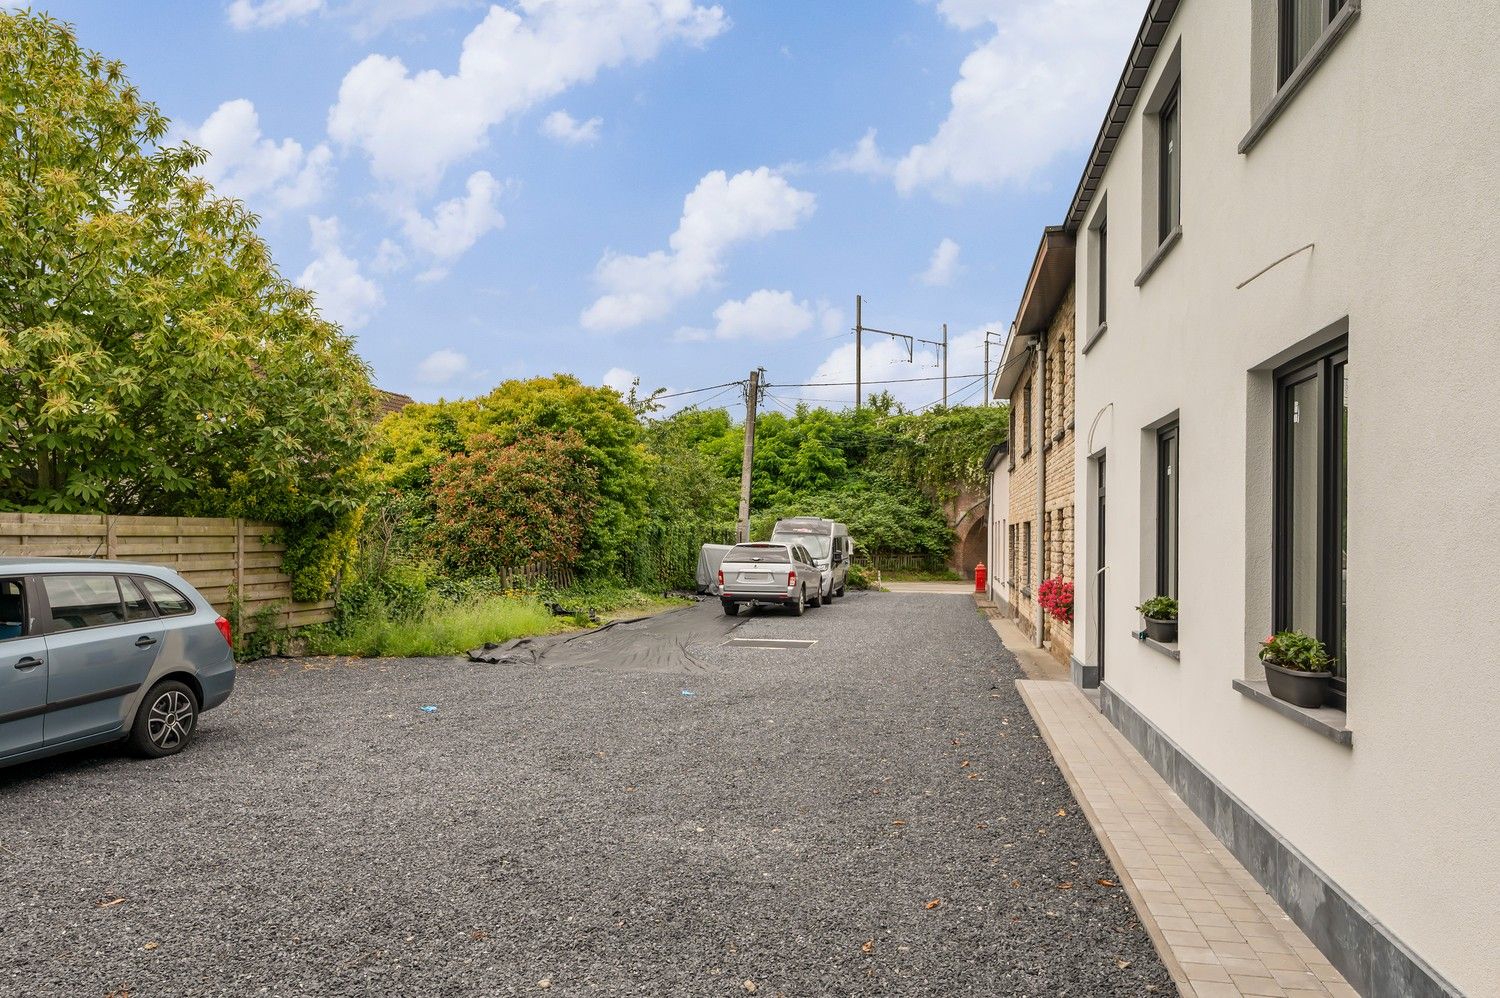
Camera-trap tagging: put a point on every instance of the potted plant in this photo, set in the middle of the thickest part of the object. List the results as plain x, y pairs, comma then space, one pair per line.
1161, 618
1298, 669
1056, 597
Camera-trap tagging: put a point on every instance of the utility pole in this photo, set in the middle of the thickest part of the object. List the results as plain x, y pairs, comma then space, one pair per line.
752, 396
945, 365
986, 368
859, 332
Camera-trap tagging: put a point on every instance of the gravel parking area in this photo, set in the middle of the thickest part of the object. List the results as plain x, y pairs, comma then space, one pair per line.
875, 814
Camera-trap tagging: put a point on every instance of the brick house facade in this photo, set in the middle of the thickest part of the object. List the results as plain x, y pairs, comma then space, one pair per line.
1037, 376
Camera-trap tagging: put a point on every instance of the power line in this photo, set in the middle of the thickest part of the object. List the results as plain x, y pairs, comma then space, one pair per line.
889, 381
695, 391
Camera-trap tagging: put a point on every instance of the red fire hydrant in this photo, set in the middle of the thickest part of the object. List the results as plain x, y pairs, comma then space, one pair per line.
979, 577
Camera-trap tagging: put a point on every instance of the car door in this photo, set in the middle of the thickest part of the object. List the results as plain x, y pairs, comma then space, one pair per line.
102, 639
23, 672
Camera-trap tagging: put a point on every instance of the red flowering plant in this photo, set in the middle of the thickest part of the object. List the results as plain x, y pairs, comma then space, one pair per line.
1056, 597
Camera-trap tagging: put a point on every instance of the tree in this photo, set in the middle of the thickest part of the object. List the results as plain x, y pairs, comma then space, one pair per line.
152, 359
502, 505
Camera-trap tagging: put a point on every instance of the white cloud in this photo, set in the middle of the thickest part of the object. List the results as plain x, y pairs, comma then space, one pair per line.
456, 224
764, 315
389, 257
262, 172
414, 125
865, 157
441, 366
831, 318
943, 266
720, 212
246, 15
1032, 90
619, 379
565, 128
344, 295
885, 360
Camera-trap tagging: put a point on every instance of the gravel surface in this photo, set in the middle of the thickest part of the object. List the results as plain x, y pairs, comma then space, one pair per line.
873, 815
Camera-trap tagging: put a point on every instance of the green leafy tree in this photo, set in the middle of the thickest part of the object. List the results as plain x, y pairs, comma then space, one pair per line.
152, 359
502, 505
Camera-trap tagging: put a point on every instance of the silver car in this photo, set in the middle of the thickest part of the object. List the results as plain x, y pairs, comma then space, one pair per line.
96, 651
770, 573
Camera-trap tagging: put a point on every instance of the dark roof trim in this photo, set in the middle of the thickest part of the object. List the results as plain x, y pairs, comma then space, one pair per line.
992, 460
1142, 53
1046, 287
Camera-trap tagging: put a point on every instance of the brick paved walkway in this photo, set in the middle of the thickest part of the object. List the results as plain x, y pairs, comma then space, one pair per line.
1217, 931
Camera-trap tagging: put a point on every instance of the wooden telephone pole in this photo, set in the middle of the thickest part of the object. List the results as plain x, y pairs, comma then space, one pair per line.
752, 396
859, 331
945, 365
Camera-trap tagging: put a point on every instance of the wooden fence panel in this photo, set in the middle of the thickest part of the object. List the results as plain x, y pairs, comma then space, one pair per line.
218, 556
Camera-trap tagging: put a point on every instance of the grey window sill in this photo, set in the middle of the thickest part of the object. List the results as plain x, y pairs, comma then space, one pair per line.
1167, 245
1171, 650
1095, 336
1056, 437
1330, 722
1335, 31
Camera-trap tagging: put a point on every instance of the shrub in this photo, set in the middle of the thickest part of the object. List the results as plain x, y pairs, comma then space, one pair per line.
1297, 651
859, 578
1056, 597
503, 505
1159, 608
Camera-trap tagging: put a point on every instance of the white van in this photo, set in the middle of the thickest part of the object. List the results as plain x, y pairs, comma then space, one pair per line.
827, 541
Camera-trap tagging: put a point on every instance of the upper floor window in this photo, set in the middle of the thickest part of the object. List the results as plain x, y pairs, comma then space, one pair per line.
1301, 24
1101, 288
1169, 160
1026, 418
1312, 499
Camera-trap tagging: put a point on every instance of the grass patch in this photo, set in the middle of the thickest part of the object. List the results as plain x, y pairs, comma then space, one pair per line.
452, 627
920, 575
440, 629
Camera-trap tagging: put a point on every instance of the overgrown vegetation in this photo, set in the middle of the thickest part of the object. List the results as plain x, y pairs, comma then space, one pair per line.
153, 360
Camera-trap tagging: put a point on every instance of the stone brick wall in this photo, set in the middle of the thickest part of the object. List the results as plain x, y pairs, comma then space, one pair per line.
1052, 431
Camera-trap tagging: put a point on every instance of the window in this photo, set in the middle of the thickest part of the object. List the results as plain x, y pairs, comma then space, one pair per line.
1166, 511
1026, 538
137, 607
1011, 561
1026, 418
1101, 290
1169, 178
1312, 420
1301, 24
12, 609
80, 601
169, 602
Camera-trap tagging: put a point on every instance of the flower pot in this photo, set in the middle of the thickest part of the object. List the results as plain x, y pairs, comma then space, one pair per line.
1304, 689
1161, 630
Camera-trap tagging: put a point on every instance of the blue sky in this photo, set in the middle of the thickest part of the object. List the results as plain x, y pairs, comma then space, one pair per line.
675, 189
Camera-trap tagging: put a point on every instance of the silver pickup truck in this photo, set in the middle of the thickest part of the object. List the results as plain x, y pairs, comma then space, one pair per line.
770, 573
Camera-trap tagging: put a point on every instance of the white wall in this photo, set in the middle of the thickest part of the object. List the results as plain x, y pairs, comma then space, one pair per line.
996, 564
1387, 162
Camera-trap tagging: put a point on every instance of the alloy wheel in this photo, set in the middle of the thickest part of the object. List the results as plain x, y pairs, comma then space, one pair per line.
170, 720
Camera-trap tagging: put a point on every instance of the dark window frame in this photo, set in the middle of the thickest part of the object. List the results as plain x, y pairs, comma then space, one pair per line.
1168, 479
1169, 152
1027, 399
1287, 59
1102, 290
141, 580
1325, 364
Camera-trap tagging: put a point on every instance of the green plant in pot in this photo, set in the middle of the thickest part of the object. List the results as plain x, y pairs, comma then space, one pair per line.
1161, 618
1298, 669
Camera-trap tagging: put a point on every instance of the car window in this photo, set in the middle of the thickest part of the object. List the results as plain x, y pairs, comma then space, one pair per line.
12, 609
766, 553
169, 602
83, 601
137, 607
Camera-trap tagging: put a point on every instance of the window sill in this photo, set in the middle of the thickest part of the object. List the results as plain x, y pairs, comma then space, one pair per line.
1171, 650
1057, 437
1095, 337
1026, 453
1335, 31
1167, 245
1330, 722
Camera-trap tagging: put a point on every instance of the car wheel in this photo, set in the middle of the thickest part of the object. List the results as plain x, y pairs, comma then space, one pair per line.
800, 607
730, 609
165, 721
839, 591
817, 599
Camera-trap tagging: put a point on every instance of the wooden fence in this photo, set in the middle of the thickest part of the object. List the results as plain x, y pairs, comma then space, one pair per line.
218, 556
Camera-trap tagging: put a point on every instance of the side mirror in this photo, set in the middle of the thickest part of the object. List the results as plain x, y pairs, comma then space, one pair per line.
838, 558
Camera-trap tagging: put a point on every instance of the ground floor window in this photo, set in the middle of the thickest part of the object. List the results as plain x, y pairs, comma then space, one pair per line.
1312, 496
1166, 511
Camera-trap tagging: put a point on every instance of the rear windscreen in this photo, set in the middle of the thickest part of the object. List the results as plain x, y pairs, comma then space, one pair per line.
772, 554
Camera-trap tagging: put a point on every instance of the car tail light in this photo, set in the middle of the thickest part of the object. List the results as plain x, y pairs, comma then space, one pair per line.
223, 626
721, 578
791, 578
